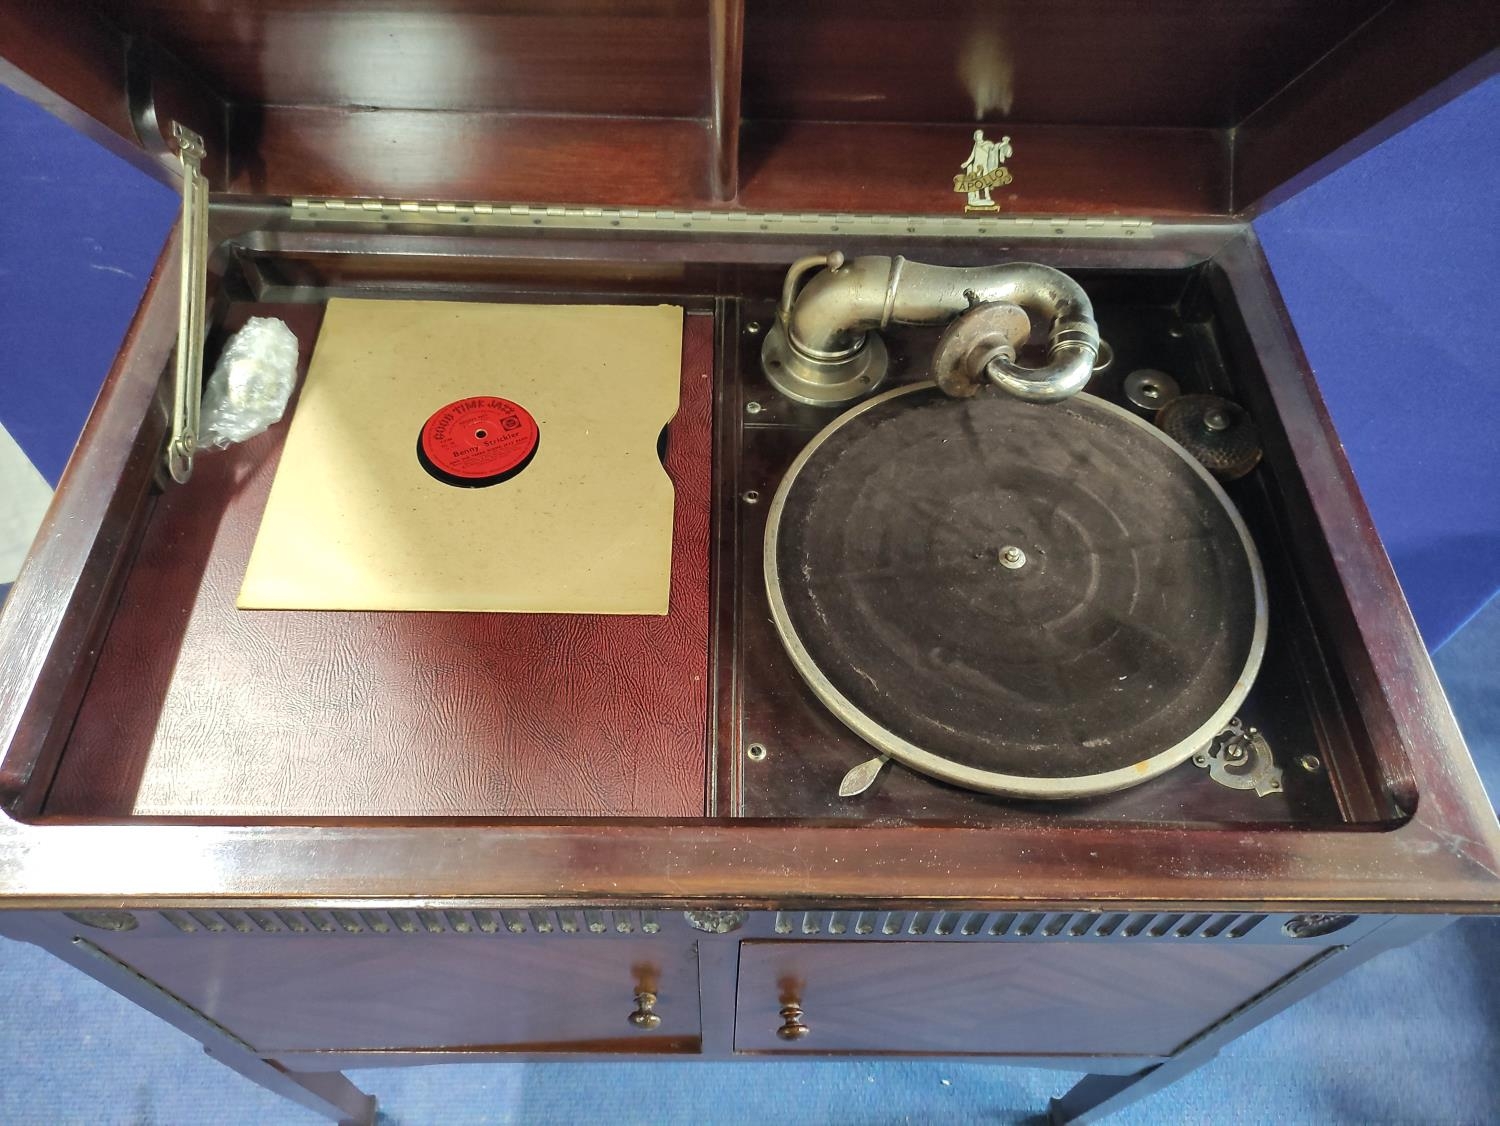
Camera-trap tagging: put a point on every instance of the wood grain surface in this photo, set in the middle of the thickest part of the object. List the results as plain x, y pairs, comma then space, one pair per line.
644, 57
909, 169
951, 999
413, 154
1136, 107
368, 992
1153, 63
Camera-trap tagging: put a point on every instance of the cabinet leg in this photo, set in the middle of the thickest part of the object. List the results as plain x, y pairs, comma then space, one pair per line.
329, 1093
1095, 1096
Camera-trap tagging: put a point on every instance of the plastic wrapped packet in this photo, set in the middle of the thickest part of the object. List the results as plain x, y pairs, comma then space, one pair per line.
251, 384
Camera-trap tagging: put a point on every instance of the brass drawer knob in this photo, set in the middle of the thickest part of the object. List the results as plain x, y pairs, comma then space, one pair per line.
792, 1027
645, 1011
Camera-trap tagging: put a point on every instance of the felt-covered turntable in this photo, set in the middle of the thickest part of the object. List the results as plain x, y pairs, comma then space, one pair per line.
1047, 600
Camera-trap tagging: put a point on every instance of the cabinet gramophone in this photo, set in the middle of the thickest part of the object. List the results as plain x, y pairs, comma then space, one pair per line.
1028, 647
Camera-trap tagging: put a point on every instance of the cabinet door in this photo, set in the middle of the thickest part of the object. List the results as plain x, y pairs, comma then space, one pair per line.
995, 998
371, 991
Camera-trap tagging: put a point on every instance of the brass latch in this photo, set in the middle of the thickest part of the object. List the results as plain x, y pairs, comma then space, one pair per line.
187, 383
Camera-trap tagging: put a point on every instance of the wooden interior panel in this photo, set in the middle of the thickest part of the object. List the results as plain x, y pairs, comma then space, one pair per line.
908, 169
196, 708
1176, 63
408, 154
1145, 107
793, 167
1132, 62
1039, 998
338, 992
647, 58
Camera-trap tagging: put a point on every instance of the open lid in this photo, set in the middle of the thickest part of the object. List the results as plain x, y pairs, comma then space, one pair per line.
1150, 108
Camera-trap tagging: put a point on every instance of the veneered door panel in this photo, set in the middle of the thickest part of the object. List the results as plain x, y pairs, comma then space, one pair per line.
294, 992
1033, 998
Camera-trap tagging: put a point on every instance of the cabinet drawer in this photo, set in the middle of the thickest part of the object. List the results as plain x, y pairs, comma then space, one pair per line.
994, 998
341, 992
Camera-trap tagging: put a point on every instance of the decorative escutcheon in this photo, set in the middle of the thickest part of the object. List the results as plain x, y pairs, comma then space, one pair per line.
792, 1025
645, 1016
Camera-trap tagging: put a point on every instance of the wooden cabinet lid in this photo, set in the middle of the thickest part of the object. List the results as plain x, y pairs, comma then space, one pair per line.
1144, 108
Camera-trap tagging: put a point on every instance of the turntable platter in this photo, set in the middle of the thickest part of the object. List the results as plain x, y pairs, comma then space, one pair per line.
1035, 600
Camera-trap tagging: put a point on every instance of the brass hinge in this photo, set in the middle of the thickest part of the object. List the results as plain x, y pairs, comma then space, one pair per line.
387, 212
187, 383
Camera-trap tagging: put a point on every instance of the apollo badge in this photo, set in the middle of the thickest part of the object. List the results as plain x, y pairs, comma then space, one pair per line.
984, 171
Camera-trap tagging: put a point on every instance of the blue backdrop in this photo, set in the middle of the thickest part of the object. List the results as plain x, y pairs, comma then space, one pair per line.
79, 233
1389, 267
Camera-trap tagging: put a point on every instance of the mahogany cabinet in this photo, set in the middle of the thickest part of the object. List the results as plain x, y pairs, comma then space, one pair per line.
310, 991
319, 841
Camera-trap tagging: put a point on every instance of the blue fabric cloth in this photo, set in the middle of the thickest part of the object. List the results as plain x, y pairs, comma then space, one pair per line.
79, 233
1389, 267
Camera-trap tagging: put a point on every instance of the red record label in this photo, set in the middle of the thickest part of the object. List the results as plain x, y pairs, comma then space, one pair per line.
479, 439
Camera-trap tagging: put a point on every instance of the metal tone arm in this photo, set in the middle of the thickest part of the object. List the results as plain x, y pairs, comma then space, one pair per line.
825, 348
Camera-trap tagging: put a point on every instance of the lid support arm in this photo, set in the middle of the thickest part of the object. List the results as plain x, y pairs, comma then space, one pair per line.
726, 19
187, 382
